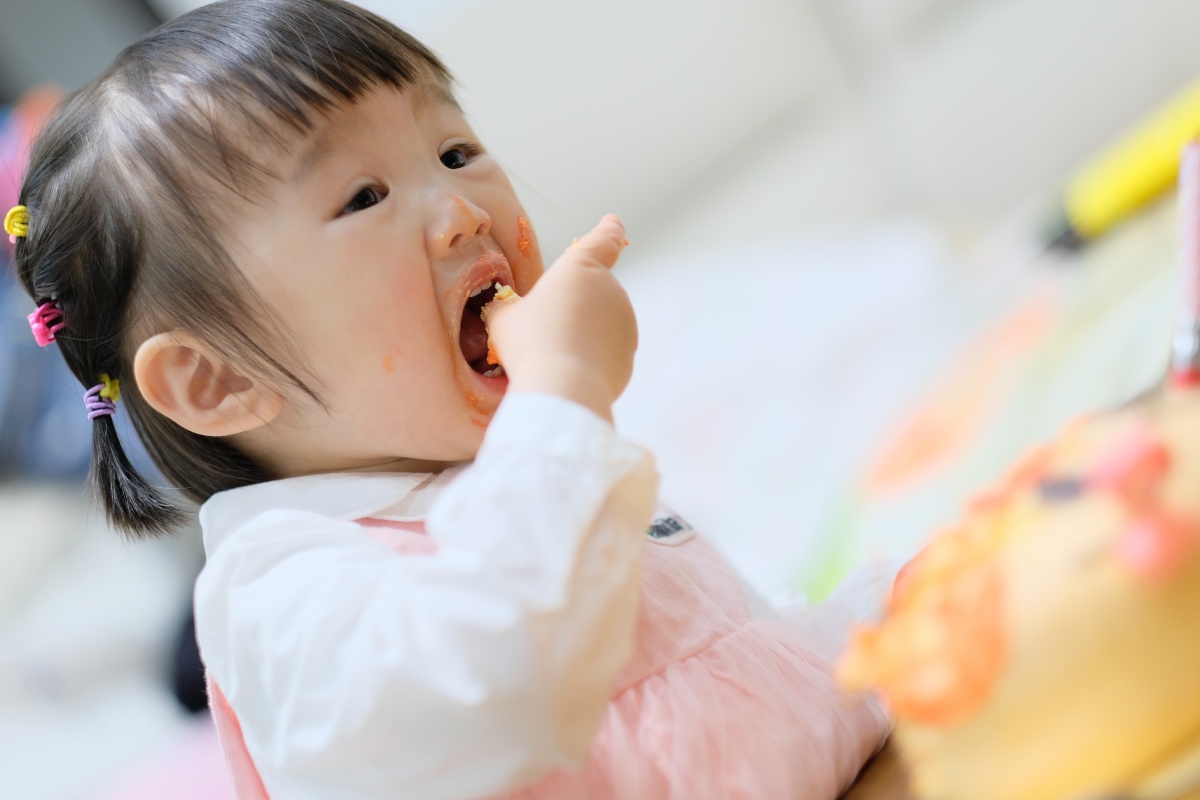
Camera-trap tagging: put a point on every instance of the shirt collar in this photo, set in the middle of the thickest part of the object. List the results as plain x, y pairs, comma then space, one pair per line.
403, 496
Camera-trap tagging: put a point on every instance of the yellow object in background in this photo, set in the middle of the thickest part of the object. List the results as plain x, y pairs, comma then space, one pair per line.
1131, 172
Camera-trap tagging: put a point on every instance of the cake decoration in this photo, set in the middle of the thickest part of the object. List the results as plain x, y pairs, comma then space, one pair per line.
1056, 490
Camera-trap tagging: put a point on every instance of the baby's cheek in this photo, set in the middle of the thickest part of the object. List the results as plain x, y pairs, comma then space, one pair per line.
525, 278
527, 264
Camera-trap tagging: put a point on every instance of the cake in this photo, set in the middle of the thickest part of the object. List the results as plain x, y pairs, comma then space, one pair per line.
1048, 645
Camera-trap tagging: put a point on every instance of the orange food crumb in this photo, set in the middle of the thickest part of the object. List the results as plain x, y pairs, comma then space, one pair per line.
524, 240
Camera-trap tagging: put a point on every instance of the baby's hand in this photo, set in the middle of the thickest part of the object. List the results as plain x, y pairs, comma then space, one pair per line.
574, 334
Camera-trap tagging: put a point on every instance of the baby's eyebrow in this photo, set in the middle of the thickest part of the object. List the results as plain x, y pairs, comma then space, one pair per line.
427, 95
434, 93
316, 152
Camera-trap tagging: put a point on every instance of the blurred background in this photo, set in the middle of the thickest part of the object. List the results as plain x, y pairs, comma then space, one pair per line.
849, 320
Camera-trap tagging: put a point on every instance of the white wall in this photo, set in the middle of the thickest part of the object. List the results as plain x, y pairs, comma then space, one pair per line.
616, 107
713, 119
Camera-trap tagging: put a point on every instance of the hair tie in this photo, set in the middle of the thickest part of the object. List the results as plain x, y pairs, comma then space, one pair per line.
16, 223
101, 399
46, 321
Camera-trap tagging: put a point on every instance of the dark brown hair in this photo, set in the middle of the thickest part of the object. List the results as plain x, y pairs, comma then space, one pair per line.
123, 191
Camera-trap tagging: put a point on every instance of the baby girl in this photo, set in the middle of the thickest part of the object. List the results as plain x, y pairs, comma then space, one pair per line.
269, 234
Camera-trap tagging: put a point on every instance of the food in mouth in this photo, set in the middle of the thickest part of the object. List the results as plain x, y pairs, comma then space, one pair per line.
477, 347
504, 294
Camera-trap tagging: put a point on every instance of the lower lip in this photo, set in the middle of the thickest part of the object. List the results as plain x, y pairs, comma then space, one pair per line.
482, 392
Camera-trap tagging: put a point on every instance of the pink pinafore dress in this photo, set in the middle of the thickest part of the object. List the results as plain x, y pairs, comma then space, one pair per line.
713, 704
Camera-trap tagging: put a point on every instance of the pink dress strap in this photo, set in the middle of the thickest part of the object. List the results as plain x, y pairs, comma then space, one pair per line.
402, 537
247, 785
406, 538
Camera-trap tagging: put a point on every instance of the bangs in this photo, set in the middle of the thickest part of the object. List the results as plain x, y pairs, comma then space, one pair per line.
217, 84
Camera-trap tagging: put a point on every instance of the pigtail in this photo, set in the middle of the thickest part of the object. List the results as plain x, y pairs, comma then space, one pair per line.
129, 501
77, 257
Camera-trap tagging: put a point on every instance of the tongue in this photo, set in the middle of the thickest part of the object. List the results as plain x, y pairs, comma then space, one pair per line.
473, 337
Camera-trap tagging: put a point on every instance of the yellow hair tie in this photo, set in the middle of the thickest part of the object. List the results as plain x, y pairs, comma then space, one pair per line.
112, 388
16, 221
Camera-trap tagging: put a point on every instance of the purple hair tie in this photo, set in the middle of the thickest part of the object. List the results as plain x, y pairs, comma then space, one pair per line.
46, 321
101, 399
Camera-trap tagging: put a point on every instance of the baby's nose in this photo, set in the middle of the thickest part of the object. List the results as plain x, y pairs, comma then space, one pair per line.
458, 223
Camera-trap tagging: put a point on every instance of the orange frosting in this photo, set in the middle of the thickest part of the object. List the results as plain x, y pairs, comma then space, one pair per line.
937, 661
943, 646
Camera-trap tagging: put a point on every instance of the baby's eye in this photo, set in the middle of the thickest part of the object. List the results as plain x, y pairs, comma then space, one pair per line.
460, 155
365, 198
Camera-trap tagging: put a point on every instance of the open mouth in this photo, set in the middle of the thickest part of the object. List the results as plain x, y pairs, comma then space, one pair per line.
473, 335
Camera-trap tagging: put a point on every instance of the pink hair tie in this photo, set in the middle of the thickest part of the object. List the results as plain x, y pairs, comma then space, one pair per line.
101, 399
45, 322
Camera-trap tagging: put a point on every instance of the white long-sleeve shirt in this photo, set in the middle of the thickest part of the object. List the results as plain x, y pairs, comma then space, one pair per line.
355, 671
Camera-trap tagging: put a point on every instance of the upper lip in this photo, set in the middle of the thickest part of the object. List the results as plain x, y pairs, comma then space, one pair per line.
486, 270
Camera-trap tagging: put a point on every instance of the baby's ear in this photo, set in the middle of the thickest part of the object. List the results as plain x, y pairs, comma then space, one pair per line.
189, 383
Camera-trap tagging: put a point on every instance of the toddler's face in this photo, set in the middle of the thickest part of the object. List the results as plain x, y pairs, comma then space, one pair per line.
386, 219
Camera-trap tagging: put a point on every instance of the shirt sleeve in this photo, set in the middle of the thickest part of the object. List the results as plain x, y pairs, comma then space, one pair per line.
356, 672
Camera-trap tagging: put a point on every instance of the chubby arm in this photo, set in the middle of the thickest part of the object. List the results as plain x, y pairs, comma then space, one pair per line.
356, 672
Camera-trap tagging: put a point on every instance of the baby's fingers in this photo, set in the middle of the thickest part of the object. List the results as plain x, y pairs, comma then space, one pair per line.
601, 246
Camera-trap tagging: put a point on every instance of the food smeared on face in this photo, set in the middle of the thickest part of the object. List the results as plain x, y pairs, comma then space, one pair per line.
524, 240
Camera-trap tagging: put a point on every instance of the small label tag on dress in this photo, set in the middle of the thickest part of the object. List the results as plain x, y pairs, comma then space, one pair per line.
669, 528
